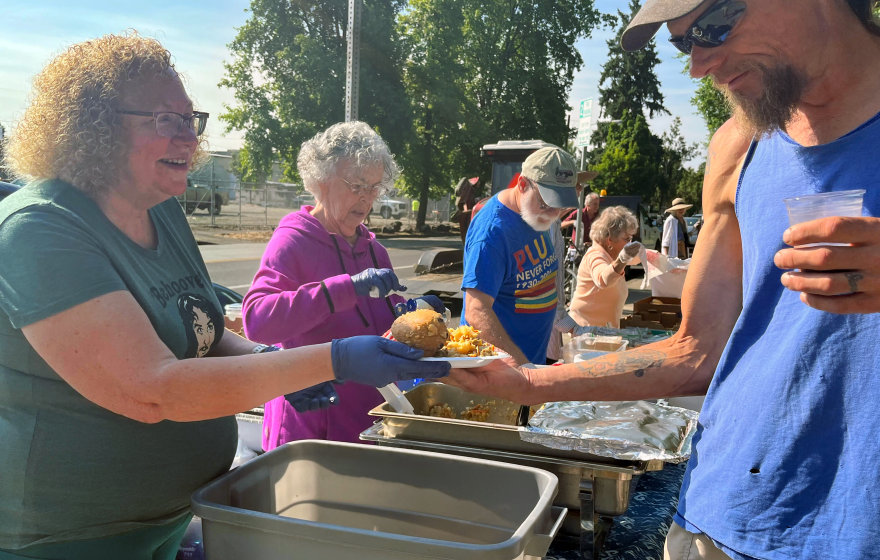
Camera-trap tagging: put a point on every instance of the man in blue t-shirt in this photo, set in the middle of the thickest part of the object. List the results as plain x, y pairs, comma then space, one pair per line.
510, 266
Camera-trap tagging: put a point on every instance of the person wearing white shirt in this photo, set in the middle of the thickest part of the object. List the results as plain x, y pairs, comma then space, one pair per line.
675, 239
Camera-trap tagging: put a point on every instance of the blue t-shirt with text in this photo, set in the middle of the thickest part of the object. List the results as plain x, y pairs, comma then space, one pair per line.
506, 259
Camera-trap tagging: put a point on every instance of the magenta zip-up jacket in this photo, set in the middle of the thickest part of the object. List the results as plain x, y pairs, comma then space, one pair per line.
303, 295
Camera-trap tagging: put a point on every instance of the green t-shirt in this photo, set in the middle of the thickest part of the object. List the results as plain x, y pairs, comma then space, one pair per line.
69, 469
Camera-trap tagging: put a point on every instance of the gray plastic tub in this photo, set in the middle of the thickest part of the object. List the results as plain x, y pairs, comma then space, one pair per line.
341, 501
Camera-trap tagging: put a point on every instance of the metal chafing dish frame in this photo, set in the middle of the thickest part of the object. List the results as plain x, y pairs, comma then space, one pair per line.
598, 488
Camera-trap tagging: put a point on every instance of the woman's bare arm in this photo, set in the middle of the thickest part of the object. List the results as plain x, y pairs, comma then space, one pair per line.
108, 351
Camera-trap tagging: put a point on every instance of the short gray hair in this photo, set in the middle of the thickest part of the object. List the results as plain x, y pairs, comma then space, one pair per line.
354, 141
613, 222
590, 197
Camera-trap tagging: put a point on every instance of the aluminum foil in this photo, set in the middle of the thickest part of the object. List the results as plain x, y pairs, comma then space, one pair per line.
629, 430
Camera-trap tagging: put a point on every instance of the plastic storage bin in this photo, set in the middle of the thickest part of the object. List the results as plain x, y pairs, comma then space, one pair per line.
321, 499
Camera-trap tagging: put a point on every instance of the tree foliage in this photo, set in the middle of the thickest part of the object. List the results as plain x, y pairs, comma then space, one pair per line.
708, 100
439, 78
628, 82
676, 152
288, 75
630, 162
711, 105
690, 186
480, 71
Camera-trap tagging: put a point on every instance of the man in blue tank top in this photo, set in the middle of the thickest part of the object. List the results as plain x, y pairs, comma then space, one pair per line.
781, 333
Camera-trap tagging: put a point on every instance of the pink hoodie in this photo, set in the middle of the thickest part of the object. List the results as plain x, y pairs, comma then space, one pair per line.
303, 295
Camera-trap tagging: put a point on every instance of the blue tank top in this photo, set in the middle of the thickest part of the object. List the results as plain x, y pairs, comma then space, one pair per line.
785, 456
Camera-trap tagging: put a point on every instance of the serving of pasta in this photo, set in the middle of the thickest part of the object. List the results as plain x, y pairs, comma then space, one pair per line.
465, 342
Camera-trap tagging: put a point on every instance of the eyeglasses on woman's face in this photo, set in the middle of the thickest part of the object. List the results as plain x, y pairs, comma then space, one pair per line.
712, 28
169, 124
375, 190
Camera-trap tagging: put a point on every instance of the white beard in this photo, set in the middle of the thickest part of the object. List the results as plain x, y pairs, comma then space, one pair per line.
536, 222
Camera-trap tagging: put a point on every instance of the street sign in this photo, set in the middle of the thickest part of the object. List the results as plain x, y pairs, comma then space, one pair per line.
586, 114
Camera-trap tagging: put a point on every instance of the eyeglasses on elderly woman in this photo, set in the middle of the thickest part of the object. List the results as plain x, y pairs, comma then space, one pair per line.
374, 190
169, 123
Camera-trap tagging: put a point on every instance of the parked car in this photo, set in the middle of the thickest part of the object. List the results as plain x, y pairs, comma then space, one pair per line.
7, 189
693, 231
388, 208
199, 197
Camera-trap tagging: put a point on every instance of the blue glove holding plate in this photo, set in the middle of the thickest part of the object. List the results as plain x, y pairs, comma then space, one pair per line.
377, 361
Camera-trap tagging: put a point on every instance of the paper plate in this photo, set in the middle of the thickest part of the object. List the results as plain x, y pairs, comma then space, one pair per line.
458, 363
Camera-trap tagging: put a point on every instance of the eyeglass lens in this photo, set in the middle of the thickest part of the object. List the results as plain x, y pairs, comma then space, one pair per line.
369, 190
169, 124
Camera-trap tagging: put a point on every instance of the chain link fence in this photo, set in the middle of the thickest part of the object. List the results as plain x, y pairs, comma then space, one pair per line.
232, 204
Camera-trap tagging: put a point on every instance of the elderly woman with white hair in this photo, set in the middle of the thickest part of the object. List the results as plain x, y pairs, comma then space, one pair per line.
601, 290
316, 277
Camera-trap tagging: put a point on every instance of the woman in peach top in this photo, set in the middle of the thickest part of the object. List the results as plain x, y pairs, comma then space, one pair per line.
601, 289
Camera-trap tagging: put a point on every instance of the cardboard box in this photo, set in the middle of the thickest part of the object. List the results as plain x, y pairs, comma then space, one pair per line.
666, 305
644, 320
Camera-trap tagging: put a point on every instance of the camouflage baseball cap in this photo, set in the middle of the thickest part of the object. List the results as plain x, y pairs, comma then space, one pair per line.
555, 173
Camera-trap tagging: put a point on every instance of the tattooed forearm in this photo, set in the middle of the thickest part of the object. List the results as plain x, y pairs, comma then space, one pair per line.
635, 361
853, 278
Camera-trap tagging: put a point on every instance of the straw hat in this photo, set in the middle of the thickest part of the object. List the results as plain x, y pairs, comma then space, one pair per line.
679, 204
585, 177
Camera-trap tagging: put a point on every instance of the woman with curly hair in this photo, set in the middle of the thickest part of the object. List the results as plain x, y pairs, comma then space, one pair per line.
315, 278
118, 384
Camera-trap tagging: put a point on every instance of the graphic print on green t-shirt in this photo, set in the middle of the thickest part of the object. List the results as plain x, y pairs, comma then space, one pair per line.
201, 318
69, 469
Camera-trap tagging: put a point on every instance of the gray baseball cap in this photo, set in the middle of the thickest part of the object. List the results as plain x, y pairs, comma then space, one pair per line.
555, 173
651, 17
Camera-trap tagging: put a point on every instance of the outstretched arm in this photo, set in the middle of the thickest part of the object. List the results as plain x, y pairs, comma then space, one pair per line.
682, 365
480, 315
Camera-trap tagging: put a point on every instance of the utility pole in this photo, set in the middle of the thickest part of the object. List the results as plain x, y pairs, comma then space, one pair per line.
353, 60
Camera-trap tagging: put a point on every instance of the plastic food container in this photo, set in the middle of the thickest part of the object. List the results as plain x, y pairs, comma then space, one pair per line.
233, 311
341, 501
594, 344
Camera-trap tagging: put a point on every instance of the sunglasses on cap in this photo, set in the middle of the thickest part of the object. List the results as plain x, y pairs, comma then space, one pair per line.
711, 28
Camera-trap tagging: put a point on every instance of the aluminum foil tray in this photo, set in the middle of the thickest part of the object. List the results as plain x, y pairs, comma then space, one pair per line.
631, 431
498, 432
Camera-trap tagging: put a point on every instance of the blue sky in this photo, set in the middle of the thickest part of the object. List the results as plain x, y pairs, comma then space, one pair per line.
197, 32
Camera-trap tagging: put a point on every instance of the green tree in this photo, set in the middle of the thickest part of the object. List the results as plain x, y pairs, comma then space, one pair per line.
628, 83
630, 162
708, 100
675, 153
480, 71
288, 74
690, 186
711, 105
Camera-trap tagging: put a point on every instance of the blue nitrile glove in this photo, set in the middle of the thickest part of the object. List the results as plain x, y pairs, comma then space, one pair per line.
317, 397
377, 361
383, 279
434, 302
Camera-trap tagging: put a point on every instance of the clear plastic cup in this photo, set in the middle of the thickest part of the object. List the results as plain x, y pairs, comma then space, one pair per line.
825, 205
